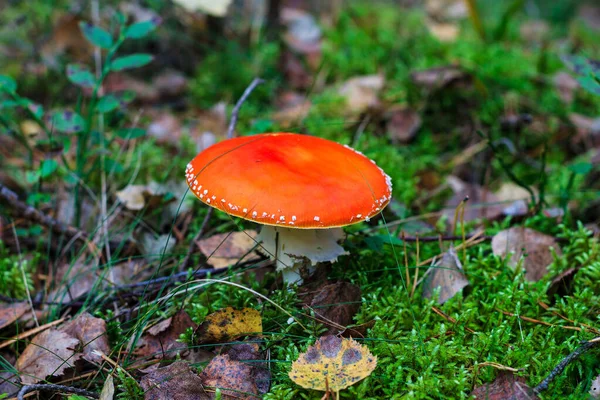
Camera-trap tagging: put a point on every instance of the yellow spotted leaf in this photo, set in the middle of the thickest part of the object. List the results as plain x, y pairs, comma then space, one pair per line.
333, 364
228, 324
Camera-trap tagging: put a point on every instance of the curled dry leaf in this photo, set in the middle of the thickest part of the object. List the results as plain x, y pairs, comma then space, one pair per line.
235, 379
9, 313
515, 199
534, 31
226, 249
443, 31
518, 242
482, 203
403, 125
161, 340
217, 8
361, 92
595, 389
50, 353
335, 303
228, 324
438, 77
91, 333
588, 130
506, 386
332, 363
108, 389
446, 275
566, 86
74, 281
175, 382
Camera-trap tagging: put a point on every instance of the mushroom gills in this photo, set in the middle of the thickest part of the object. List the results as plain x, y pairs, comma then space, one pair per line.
291, 246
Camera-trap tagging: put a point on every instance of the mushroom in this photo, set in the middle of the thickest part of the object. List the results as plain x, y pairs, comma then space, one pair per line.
301, 188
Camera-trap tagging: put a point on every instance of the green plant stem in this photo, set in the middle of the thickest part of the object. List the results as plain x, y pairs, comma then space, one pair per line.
82, 143
475, 18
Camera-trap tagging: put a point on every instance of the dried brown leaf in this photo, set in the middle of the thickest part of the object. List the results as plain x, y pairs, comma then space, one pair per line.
9, 313
161, 340
534, 30
361, 92
438, 77
482, 203
519, 241
506, 386
447, 275
49, 354
235, 379
566, 86
225, 249
403, 125
249, 353
91, 333
336, 302
175, 382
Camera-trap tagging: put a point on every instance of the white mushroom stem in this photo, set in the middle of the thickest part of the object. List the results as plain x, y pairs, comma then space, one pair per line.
290, 247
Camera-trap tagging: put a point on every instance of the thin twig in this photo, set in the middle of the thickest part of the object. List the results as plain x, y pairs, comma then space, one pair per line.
566, 361
55, 388
34, 215
238, 105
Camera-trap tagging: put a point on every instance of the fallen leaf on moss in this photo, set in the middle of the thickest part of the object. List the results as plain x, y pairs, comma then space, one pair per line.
249, 353
335, 303
217, 8
9, 313
332, 363
361, 92
566, 86
227, 324
175, 382
482, 203
438, 77
443, 31
225, 249
161, 340
91, 333
235, 379
108, 389
595, 389
518, 242
50, 353
447, 275
506, 386
403, 125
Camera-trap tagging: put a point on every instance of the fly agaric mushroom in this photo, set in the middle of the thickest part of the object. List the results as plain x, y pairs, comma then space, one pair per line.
301, 188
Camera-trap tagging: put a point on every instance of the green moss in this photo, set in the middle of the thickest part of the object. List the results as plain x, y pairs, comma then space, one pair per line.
12, 269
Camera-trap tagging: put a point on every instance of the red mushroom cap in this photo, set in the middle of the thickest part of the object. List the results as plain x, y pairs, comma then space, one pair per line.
291, 180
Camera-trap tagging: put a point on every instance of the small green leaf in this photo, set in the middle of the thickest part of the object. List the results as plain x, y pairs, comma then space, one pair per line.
107, 104
376, 242
32, 176
581, 168
131, 61
141, 29
9, 104
48, 167
66, 121
36, 109
81, 76
589, 84
96, 35
7, 84
130, 133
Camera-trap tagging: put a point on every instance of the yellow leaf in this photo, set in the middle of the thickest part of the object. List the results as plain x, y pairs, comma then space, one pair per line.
228, 323
333, 364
